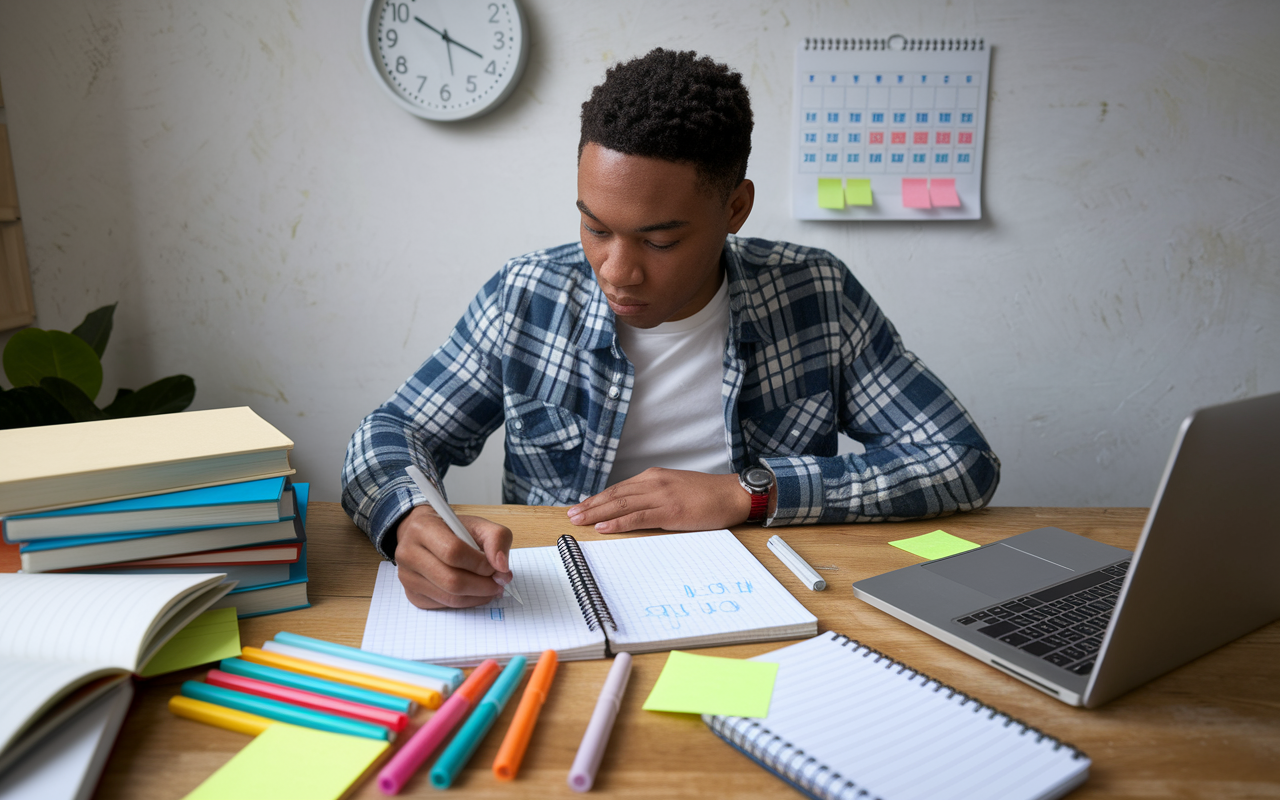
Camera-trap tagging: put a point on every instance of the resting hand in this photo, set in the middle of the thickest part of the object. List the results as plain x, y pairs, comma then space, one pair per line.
670, 499
439, 570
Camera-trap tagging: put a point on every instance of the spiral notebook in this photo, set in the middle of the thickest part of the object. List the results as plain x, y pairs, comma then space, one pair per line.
889, 129
847, 721
588, 599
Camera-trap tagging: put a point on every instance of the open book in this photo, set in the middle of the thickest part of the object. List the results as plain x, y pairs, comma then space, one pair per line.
65, 640
587, 599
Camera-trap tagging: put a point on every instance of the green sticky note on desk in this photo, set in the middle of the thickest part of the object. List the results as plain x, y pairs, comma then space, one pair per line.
831, 193
286, 762
693, 684
857, 191
938, 544
212, 636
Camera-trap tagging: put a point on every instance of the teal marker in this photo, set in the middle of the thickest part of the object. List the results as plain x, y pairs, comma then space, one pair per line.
459, 751
284, 712
295, 680
450, 675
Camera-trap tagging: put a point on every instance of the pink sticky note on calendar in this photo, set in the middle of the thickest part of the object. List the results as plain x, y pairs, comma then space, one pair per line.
942, 191
915, 193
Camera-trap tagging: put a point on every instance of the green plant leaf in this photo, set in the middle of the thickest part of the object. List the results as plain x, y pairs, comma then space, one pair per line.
33, 354
76, 402
165, 396
96, 328
30, 406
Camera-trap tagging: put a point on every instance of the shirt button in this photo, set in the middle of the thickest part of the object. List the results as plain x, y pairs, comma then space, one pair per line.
615, 392
518, 425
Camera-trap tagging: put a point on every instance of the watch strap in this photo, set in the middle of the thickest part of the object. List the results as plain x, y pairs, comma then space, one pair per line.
759, 507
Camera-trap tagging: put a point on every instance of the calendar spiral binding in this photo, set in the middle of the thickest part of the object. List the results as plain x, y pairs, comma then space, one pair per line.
594, 609
908, 45
790, 763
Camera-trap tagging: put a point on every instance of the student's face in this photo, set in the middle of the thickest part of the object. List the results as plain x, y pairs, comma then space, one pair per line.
653, 235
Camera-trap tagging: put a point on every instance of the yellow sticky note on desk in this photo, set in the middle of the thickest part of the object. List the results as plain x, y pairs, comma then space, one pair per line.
693, 684
938, 544
286, 762
831, 193
212, 636
857, 191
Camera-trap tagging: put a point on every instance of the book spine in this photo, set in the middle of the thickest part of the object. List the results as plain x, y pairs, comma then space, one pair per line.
594, 609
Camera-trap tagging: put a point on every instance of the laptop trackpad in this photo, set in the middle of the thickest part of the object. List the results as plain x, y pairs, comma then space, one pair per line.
999, 571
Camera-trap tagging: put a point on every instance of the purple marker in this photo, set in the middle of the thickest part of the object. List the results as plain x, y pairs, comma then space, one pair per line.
583, 772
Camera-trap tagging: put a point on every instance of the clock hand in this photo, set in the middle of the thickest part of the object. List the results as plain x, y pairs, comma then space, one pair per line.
460, 44
443, 34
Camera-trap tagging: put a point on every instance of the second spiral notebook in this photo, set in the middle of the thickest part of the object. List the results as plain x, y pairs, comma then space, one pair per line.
588, 599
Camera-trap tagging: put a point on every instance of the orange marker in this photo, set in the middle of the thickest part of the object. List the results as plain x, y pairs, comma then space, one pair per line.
511, 753
428, 698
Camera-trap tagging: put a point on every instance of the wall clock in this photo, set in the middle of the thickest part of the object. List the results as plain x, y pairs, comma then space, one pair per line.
446, 60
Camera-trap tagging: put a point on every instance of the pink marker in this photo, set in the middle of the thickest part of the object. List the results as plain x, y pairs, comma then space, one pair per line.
395, 720
583, 772
403, 764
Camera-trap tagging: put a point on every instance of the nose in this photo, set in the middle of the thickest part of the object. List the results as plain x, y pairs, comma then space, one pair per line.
621, 265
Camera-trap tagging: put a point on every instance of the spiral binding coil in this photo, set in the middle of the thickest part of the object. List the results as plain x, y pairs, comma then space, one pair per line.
594, 609
793, 764
892, 44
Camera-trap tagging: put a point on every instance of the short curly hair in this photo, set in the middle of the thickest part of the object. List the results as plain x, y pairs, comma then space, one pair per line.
678, 107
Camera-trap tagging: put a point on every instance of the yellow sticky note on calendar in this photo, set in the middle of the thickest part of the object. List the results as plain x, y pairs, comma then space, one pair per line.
831, 193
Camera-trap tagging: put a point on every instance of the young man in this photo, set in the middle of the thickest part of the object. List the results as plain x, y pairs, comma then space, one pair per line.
663, 373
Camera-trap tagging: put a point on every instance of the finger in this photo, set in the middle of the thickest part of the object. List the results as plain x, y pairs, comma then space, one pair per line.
616, 501
638, 520
423, 574
434, 596
495, 540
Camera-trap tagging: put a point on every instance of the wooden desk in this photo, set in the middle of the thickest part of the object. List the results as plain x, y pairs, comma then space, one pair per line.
1209, 729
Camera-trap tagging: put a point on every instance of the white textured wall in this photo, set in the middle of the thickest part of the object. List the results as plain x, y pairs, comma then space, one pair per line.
273, 226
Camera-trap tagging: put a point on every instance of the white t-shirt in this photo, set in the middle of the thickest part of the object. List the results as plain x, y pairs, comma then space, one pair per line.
676, 415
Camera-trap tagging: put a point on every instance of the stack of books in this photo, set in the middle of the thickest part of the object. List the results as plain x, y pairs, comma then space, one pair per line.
191, 493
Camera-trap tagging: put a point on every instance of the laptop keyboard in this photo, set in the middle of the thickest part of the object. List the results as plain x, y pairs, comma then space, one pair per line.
1062, 624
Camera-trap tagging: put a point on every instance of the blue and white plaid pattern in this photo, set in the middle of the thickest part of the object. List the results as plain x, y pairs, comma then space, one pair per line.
809, 355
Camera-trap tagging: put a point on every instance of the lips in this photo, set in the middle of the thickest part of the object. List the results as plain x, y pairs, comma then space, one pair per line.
626, 306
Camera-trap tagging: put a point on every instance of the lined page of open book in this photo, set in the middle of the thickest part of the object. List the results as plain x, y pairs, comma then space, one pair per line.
687, 589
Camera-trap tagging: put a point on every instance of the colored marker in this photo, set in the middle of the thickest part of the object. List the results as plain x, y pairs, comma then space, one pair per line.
426, 697
583, 772
218, 716
351, 665
342, 691
460, 750
798, 566
422, 744
450, 675
284, 712
511, 753
442, 508
319, 702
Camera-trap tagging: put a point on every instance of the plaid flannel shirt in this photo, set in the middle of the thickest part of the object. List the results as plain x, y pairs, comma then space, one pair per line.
808, 355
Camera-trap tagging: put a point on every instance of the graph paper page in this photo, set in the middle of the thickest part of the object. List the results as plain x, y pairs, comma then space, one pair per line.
549, 619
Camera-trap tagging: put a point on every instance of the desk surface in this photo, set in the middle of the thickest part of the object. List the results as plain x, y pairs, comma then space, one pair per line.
1209, 729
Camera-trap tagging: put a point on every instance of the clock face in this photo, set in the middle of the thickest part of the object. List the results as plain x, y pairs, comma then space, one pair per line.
446, 59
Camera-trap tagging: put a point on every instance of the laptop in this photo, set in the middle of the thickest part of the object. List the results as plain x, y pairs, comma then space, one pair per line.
1086, 622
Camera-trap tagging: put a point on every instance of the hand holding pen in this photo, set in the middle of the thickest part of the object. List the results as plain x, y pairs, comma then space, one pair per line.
446, 563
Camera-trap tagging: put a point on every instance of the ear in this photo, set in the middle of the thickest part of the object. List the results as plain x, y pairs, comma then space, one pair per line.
740, 204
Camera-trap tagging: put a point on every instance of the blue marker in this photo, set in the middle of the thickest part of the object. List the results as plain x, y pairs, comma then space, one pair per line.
295, 680
284, 712
450, 675
464, 744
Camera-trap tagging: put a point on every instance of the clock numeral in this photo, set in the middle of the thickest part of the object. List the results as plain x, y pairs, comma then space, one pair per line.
393, 37
402, 66
500, 40
471, 83
422, 81
492, 69
494, 8
399, 11
445, 94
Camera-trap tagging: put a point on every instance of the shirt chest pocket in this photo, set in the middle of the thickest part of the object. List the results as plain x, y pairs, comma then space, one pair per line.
543, 440
804, 427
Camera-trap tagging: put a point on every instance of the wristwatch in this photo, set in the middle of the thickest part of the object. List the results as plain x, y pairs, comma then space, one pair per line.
758, 481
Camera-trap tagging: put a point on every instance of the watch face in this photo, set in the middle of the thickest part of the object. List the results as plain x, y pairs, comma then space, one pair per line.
757, 478
446, 59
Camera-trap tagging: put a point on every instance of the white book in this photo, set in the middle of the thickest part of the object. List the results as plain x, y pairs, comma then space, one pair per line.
846, 721
65, 640
586, 599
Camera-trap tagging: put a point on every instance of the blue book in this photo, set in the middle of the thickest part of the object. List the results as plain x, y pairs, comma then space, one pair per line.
273, 598
245, 503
